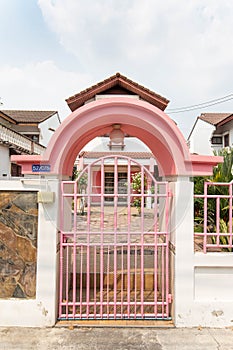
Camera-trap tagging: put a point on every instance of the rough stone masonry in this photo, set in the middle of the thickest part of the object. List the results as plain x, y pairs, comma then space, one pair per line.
18, 244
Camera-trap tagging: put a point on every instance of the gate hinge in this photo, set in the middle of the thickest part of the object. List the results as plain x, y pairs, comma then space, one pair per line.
169, 298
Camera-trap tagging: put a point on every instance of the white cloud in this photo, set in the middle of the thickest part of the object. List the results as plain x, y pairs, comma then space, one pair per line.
180, 49
40, 85
184, 39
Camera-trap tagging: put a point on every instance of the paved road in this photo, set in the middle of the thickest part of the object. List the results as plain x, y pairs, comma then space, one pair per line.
116, 338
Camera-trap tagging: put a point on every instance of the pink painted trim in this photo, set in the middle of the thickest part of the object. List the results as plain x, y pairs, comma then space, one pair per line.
203, 165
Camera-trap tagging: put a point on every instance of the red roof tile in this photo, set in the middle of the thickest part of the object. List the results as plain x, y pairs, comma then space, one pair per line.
124, 85
133, 155
214, 118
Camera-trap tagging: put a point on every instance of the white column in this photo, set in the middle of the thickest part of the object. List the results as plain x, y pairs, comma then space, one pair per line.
183, 260
48, 256
5, 165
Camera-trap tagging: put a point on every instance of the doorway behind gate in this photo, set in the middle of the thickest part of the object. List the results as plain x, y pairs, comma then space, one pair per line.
114, 243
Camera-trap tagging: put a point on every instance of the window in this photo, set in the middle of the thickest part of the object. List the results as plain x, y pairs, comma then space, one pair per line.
122, 188
109, 185
33, 137
15, 170
216, 140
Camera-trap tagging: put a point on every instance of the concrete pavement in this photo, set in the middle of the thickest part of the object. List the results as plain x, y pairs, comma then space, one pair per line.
116, 338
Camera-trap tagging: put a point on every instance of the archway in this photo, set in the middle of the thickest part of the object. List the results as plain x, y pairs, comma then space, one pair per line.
137, 118
144, 121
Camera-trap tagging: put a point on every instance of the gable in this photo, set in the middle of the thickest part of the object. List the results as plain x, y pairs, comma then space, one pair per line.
117, 90
117, 85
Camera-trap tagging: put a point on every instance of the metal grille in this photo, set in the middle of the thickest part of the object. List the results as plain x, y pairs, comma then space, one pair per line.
213, 218
114, 255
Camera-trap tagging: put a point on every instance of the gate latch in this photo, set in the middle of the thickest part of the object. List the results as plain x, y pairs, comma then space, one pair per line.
169, 298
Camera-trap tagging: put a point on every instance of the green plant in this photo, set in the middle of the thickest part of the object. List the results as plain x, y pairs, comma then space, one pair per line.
137, 188
82, 179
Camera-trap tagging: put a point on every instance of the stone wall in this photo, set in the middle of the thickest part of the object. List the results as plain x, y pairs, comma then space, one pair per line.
18, 244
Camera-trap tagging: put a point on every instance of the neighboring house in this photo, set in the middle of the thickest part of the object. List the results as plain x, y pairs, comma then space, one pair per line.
117, 86
134, 149
211, 132
23, 132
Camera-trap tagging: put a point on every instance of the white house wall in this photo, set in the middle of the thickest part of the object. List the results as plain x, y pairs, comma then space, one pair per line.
227, 128
200, 138
46, 134
231, 133
5, 169
132, 144
100, 144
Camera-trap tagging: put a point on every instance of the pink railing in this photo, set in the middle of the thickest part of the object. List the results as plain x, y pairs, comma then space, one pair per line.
213, 217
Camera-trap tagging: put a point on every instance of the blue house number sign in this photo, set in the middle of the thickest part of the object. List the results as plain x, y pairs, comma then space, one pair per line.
41, 168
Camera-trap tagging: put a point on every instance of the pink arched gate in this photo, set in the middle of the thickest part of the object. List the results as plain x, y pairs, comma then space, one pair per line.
114, 243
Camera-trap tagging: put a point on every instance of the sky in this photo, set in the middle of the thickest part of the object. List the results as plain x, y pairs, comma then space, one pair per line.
53, 49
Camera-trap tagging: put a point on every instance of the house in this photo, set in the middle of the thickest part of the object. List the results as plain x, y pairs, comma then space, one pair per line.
24, 132
101, 147
116, 141
211, 132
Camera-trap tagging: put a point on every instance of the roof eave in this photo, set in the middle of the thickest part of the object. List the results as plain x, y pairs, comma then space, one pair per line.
224, 121
6, 116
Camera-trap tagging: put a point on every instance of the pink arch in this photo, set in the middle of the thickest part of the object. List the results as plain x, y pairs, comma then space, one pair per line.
137, 118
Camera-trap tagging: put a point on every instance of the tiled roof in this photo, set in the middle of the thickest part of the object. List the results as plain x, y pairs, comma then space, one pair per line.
133, 155
214, 118
28, 116
25, 128
121, 82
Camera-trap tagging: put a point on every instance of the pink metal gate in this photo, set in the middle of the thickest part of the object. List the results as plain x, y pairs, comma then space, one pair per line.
114, 243
213, 218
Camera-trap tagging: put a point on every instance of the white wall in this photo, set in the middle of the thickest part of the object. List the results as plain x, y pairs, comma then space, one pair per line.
203, 283
200, 138
213, 285
227, 128
230, 126
5, 167
45, 133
